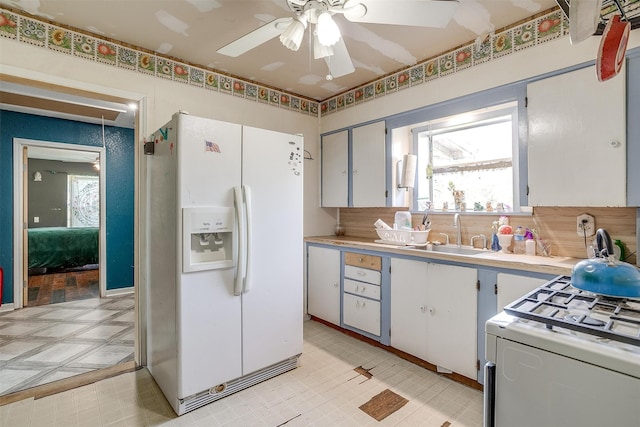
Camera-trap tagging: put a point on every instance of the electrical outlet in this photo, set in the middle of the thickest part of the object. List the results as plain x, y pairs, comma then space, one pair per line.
586, 225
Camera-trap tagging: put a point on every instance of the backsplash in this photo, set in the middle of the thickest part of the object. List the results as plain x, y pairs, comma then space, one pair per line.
556, 226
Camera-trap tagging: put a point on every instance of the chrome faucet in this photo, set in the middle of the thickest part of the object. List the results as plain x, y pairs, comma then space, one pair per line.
456, 223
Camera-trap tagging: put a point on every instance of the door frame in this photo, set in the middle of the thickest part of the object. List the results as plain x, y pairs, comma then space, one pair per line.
19, 191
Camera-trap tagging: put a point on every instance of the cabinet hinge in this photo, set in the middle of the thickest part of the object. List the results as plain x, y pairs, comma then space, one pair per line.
389, 332
495, 289
526, 101
527, 190
386, 194
477, 364
24, 284
386, 131
478, 284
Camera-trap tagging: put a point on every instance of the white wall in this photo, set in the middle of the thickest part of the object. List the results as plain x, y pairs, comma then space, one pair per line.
162, 98
553, 55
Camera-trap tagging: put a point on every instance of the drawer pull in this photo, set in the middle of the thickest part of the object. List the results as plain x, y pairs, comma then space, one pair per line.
360, 259
361, 273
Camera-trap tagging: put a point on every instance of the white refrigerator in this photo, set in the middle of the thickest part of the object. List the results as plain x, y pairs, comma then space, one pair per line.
225, 258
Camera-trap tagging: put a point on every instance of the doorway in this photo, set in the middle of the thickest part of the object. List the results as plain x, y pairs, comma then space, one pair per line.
122, 304
62, 215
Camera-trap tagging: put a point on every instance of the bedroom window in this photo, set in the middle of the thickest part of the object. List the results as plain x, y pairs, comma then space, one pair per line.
465, 162
83, 201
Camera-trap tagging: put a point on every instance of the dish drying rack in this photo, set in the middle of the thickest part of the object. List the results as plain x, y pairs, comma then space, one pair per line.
402, 237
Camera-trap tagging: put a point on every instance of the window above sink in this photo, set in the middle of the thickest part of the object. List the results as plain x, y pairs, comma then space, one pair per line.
465, 161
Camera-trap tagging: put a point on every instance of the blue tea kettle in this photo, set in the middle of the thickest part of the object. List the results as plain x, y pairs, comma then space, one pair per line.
604, 274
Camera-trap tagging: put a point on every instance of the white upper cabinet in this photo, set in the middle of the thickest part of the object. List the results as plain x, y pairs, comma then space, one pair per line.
577, 140
366, 166
335, 169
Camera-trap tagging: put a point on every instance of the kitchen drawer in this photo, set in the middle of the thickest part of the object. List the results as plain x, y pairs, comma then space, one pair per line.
362, 274
360, 260
361, 313
362, 289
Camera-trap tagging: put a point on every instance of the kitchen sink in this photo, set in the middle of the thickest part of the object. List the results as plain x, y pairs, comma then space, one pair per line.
451, 249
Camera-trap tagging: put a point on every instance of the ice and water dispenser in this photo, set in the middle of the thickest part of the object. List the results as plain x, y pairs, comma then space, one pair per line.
207, 238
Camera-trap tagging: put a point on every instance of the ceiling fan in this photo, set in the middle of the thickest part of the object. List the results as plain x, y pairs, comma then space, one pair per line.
327, 40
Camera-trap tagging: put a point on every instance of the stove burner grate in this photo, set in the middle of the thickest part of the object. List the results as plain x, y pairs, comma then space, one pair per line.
559, 304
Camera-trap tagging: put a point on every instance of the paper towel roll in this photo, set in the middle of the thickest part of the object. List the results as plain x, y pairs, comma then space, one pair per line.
407, 173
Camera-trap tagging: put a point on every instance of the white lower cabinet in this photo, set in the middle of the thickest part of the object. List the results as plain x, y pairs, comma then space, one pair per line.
433, 314
361, 313
323, 283
361, 297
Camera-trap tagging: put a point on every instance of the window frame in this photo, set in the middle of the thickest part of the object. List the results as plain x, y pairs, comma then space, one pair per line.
515, 92
476, 118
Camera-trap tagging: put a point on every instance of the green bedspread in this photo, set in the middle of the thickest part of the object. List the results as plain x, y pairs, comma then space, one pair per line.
60, 247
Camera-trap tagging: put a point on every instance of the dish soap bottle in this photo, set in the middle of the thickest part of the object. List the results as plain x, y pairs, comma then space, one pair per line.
529, 244
495, 243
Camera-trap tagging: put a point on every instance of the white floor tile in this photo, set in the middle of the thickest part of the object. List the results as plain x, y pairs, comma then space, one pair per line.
323, 391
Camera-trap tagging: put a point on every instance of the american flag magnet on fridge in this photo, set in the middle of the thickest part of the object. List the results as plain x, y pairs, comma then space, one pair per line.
211, 146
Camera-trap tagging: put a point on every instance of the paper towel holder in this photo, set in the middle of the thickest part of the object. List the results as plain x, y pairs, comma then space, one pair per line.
406, 171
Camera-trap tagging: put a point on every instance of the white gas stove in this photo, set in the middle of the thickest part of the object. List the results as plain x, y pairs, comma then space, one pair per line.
563, 357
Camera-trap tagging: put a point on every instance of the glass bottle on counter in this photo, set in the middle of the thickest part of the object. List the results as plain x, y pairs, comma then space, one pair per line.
518, 241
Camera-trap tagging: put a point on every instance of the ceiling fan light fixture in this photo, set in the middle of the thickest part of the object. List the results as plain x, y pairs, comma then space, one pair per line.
292, 36
319, 50
353, 9
327, 29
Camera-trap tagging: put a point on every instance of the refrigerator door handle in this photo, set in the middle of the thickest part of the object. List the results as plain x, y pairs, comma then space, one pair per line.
248, 234
238, 201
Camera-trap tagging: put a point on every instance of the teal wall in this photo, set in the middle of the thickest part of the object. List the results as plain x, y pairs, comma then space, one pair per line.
119, 164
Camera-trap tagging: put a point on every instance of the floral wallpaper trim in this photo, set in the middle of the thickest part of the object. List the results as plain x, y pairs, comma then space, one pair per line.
15, 26
520, 37
532, 33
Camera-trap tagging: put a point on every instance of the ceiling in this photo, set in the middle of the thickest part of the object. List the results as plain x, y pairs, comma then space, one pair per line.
24, 97
193, 30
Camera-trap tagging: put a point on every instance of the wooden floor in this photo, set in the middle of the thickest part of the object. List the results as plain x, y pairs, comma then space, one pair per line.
53, 288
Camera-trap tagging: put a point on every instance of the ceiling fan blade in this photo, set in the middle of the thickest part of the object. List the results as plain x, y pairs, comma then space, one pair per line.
256, 37
340, 62
417, 13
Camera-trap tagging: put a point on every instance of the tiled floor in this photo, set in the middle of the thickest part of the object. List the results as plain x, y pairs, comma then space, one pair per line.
323, 391
54, 288
47, 343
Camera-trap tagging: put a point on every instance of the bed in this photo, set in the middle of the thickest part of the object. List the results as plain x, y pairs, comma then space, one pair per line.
62, 247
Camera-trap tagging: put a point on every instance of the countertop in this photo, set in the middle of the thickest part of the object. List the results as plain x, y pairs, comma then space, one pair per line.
537, 264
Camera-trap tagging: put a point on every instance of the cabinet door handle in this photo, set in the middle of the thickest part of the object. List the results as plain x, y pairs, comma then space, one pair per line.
355, 171
431, 310
357, 288
423, 308
335, 285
